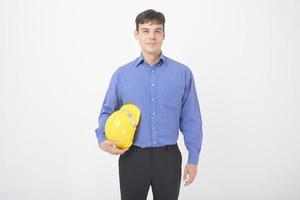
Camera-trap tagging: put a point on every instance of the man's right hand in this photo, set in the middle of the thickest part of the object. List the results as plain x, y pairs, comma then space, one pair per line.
111, 147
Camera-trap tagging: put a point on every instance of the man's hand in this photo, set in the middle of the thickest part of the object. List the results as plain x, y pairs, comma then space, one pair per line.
190, 172
111, 147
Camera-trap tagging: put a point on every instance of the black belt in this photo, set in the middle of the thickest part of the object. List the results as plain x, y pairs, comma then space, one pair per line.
166, 147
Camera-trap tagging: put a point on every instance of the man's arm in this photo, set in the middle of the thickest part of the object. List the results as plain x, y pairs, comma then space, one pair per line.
191, 127
110, 104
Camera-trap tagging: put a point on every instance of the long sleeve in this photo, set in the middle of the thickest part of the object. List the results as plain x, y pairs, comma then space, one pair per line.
110, 104
190, 120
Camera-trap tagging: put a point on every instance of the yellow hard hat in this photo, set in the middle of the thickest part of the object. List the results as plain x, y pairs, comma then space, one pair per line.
121, 125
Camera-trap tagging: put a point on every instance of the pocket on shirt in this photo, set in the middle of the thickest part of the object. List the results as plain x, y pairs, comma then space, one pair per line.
170, 95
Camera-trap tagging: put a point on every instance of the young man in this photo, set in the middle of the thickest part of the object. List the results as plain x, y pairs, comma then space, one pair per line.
165, 92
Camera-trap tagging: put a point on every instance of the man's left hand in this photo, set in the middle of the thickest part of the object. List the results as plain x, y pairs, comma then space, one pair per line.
190, 172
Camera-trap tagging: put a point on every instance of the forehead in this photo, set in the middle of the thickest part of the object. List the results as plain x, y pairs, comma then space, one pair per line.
151, 25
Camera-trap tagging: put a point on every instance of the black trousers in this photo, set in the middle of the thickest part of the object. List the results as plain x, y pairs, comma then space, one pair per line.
158, 167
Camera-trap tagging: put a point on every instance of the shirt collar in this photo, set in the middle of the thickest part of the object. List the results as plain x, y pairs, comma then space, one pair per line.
140, 59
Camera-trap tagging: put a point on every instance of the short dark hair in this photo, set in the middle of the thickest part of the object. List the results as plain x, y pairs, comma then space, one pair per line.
150, 15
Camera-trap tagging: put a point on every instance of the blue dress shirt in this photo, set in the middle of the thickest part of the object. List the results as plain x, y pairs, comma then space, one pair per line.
166, 95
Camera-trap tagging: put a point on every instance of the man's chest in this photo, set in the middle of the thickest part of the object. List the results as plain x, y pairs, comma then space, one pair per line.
152, 86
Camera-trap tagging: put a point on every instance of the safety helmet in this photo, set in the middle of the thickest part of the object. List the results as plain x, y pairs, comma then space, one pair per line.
121, 125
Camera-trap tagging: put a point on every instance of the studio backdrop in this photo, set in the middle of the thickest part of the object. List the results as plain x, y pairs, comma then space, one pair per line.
56, 60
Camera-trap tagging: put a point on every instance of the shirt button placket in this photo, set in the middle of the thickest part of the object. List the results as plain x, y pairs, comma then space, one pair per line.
153, 105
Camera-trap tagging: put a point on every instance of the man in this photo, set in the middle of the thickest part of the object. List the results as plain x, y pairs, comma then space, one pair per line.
165, 92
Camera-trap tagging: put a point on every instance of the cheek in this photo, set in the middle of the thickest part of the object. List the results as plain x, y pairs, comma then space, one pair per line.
141, 40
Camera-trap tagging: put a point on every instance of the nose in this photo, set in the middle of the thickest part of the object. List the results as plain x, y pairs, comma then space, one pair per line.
151, 36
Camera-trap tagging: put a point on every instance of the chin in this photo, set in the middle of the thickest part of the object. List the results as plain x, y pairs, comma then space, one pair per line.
153, 51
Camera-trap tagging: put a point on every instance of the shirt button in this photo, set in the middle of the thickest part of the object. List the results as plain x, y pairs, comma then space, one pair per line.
154, 142
152, 84
153, 113
154, 128
152, 71
152, 99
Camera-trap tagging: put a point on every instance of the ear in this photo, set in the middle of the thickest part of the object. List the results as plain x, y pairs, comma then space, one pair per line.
135, 32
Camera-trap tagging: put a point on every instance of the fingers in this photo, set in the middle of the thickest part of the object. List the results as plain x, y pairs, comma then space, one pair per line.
117, 151
190, 179
190, 172
185, 175
111, 147
111, 143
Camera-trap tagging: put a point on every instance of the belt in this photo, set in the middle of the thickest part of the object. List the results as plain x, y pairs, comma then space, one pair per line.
166, 147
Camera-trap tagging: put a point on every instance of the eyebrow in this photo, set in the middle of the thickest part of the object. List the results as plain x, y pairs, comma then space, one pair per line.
154, 29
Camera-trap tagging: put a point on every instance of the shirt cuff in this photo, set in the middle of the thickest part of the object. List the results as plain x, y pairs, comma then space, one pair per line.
193, 158
100, 136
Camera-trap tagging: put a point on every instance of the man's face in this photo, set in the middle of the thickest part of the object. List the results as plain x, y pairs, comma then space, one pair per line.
150, 36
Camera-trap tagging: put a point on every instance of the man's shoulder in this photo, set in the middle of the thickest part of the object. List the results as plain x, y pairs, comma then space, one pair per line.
176, 64
127, 66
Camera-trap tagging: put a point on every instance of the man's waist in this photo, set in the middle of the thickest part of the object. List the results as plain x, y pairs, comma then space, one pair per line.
164, 147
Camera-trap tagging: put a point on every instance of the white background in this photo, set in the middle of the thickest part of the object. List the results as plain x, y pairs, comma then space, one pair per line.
57, 57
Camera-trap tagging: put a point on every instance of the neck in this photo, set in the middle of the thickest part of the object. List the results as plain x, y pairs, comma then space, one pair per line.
151, 58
